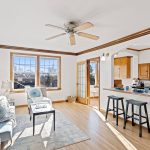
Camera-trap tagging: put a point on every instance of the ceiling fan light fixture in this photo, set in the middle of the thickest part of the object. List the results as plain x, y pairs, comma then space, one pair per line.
72, 28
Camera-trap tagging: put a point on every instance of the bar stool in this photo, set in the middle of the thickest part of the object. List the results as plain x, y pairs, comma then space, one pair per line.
139, 104
115, 108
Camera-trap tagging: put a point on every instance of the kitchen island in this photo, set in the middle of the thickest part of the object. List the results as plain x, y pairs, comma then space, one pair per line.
130, 94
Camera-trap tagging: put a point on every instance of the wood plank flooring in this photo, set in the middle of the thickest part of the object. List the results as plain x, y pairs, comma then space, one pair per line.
101, 137
94, 102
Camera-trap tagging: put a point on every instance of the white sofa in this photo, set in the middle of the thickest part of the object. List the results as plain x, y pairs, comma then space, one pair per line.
6, 127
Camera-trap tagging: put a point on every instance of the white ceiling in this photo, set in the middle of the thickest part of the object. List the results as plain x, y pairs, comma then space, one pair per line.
140, 43
22, 22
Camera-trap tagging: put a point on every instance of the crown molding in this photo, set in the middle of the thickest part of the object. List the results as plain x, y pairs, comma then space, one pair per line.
138, 50
114, 42
36, 50
118, 41
133, 49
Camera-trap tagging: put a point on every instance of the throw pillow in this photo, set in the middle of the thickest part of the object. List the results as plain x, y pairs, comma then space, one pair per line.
34, 92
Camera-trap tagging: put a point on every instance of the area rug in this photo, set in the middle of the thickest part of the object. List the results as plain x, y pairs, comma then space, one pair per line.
66, 133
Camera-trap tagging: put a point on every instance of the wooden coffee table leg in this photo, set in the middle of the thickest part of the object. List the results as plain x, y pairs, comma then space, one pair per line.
54, 120
33, 124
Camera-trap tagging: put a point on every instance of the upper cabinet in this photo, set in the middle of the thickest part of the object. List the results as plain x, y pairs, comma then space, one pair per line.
122, 68
144, 71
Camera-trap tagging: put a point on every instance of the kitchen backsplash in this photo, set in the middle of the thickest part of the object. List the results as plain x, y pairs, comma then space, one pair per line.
146, 83
128, 82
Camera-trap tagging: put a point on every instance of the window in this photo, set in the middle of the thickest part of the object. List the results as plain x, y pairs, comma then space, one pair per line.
35, 70
49, 72
24, 68
92, 73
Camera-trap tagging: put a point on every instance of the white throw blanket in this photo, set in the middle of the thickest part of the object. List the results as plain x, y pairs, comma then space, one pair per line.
7, 112
41, 99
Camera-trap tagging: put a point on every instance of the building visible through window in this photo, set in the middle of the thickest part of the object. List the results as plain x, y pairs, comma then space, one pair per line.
92, 73
24, 71
49, 72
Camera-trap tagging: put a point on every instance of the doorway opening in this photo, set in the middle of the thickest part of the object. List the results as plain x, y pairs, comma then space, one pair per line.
93, 82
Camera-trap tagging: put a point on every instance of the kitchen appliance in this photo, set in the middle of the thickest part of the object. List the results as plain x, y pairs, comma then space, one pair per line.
135, 82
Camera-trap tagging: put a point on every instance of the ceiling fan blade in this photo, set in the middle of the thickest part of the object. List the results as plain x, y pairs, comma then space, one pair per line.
72, 39
90, 36
55, 36
83, 26
50, 25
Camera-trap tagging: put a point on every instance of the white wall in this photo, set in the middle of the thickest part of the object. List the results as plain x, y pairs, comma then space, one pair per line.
68, 76
134, 65
144, 56
106, 67
68, 71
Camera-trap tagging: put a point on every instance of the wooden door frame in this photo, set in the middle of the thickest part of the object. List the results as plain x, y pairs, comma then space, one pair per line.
88, 78
86, 98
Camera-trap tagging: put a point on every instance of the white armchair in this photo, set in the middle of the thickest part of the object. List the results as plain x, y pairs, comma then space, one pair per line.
36, 95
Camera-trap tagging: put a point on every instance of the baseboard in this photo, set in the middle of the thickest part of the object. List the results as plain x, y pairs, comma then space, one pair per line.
94, 97
59, 101
56, 101
18, 106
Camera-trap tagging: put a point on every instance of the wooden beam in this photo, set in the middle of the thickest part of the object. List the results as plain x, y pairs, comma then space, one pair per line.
133, 49
138, 50
145, 49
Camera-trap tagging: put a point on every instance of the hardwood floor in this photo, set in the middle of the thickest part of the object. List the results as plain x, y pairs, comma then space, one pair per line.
99, 131
94, 102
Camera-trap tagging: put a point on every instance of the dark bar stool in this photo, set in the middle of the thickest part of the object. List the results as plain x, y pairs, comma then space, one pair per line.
139, 104
115, 107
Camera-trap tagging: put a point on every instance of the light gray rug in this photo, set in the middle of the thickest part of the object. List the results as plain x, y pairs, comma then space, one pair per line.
66, 133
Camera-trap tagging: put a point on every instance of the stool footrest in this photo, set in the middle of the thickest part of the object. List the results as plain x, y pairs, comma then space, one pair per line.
138, 115
132, 117
115, 111
136, 118
121, 114
119, 108
144, 122
110, 110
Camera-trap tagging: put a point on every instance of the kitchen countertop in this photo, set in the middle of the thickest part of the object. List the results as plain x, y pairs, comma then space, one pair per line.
128, 92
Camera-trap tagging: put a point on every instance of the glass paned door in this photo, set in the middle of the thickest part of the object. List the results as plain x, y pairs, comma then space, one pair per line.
82, 82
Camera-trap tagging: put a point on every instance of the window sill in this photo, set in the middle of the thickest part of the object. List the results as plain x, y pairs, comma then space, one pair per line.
53, 89
23, 91
17, 91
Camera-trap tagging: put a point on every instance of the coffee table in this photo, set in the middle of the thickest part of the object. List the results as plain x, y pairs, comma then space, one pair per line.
37, 110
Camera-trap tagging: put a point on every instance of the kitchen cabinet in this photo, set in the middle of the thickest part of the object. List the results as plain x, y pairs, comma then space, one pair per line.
144, 71
122, 67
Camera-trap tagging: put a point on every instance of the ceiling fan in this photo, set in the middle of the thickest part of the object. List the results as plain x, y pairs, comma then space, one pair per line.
73, 28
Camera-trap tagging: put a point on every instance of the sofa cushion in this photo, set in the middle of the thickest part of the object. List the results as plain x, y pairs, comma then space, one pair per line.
4, 109
6, 130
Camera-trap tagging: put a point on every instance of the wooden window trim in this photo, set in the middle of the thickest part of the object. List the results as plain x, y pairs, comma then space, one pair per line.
37, 70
